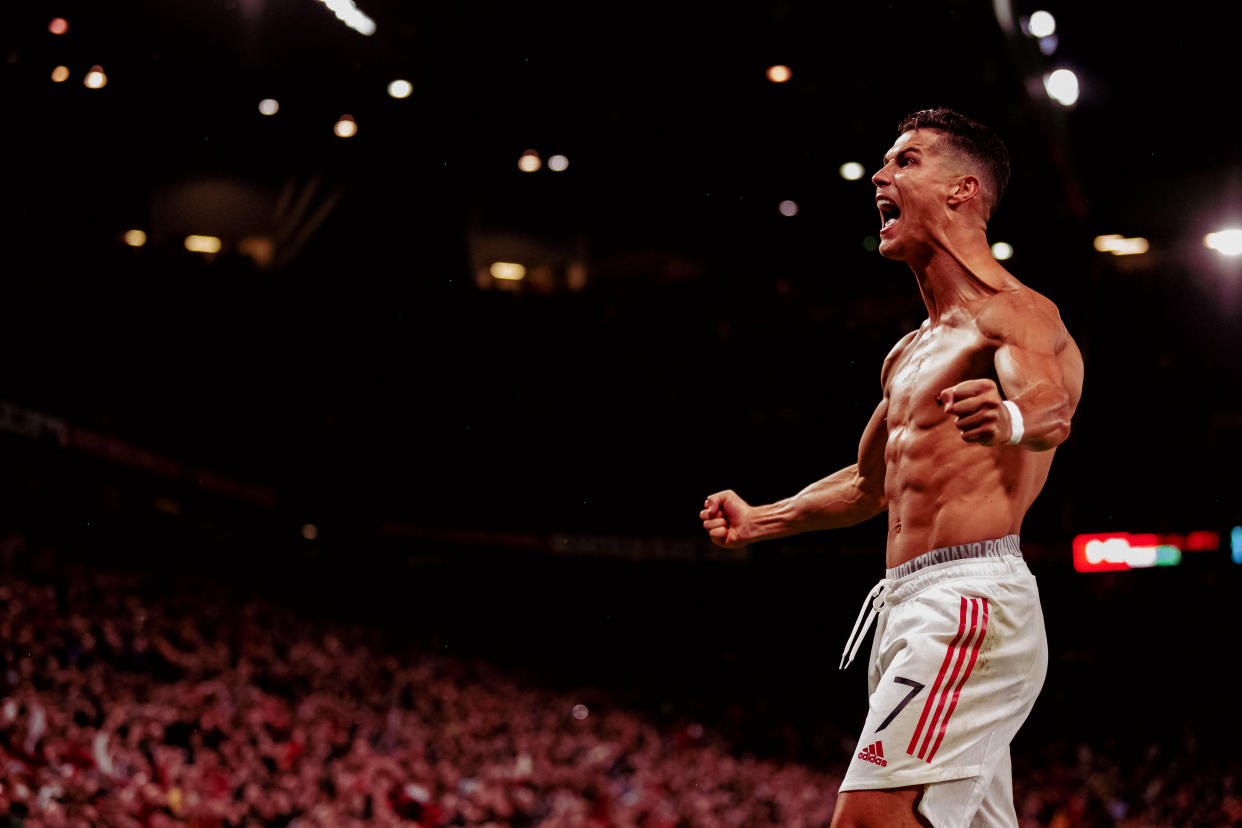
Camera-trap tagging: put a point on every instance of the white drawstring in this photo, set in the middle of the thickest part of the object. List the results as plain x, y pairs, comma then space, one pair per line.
875, 598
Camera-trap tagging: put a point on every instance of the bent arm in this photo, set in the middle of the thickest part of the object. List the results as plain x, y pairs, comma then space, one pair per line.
1045, 383
844, 498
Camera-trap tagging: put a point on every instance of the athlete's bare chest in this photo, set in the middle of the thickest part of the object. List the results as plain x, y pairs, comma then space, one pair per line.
937, 358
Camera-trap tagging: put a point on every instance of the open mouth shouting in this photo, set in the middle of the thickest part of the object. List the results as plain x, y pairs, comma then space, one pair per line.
889, 212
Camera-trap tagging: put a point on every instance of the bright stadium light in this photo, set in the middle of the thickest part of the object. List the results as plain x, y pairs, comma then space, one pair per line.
400, 88
1121, 246
135, 238
779, 73
1226, 242
1062, 87
346, 127
58, 26
1002, 251
788, 208
349, 14
1041, 24
558, 163
95, 79
60, 74
852, 171
202, 244
507, 271
269, 106
529, 162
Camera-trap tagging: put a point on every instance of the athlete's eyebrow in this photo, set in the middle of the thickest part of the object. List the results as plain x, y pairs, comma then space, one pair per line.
888, 156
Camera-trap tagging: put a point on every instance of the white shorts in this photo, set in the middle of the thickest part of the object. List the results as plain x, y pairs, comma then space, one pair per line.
958, 658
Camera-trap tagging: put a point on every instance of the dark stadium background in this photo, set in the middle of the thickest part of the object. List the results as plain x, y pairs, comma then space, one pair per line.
515, 474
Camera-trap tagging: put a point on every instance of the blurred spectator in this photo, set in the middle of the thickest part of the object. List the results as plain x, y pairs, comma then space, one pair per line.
125, 703
126, 708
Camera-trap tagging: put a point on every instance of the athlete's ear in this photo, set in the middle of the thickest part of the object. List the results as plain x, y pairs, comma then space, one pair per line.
966, 188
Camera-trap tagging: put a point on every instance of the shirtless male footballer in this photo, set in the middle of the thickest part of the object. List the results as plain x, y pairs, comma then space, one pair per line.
974, 404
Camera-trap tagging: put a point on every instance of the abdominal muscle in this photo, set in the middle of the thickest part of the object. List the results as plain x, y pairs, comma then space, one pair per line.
943, 491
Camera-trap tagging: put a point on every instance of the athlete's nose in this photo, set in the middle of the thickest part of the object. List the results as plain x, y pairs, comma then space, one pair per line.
880, 178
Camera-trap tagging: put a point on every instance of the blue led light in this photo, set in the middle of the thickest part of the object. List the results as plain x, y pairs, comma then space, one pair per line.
1235, 538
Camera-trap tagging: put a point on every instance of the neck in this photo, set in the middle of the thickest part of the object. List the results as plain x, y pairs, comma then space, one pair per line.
955, 270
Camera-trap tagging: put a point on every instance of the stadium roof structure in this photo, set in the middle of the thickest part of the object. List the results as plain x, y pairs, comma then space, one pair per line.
380, 234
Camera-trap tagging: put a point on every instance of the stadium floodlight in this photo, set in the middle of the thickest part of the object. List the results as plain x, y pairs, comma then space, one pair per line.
269, 106
1226, 242
202, 244
1041, 24
779, 73
1062, 86
852, 171
95, 79
508, 271
346, 127
351, 16
400, 88
558, 163
1121, 246
1002, 251
788, 208
529, 161
60, 74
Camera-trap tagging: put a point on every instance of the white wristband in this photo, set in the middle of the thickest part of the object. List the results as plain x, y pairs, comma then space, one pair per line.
1015, 423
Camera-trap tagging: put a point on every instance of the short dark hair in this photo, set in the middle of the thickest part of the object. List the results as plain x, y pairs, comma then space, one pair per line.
972, 139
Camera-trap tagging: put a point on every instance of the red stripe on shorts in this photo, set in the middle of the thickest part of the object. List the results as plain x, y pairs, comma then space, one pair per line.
957, 666
974, 654
948, 656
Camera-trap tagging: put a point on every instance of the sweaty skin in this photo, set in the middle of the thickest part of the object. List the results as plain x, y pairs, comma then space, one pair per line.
934, 453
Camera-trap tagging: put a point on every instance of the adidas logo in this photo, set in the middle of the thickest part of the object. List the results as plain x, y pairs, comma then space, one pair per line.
874, 754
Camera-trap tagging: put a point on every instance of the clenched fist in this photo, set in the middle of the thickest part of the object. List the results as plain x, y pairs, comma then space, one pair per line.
978, 412
725, 516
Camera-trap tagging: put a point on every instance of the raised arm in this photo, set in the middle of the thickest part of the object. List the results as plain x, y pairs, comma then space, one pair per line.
844, 498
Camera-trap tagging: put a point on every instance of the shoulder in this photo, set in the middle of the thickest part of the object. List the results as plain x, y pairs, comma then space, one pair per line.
1023, 318
895, 354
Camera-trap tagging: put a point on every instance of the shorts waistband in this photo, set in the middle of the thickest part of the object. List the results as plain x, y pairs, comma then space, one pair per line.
995, 557
1009, 545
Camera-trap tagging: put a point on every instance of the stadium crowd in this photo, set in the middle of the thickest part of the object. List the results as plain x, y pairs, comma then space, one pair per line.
126, 703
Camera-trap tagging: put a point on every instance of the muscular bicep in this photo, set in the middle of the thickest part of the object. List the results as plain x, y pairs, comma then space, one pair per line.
1021, 369
1040, 370
1044, 360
